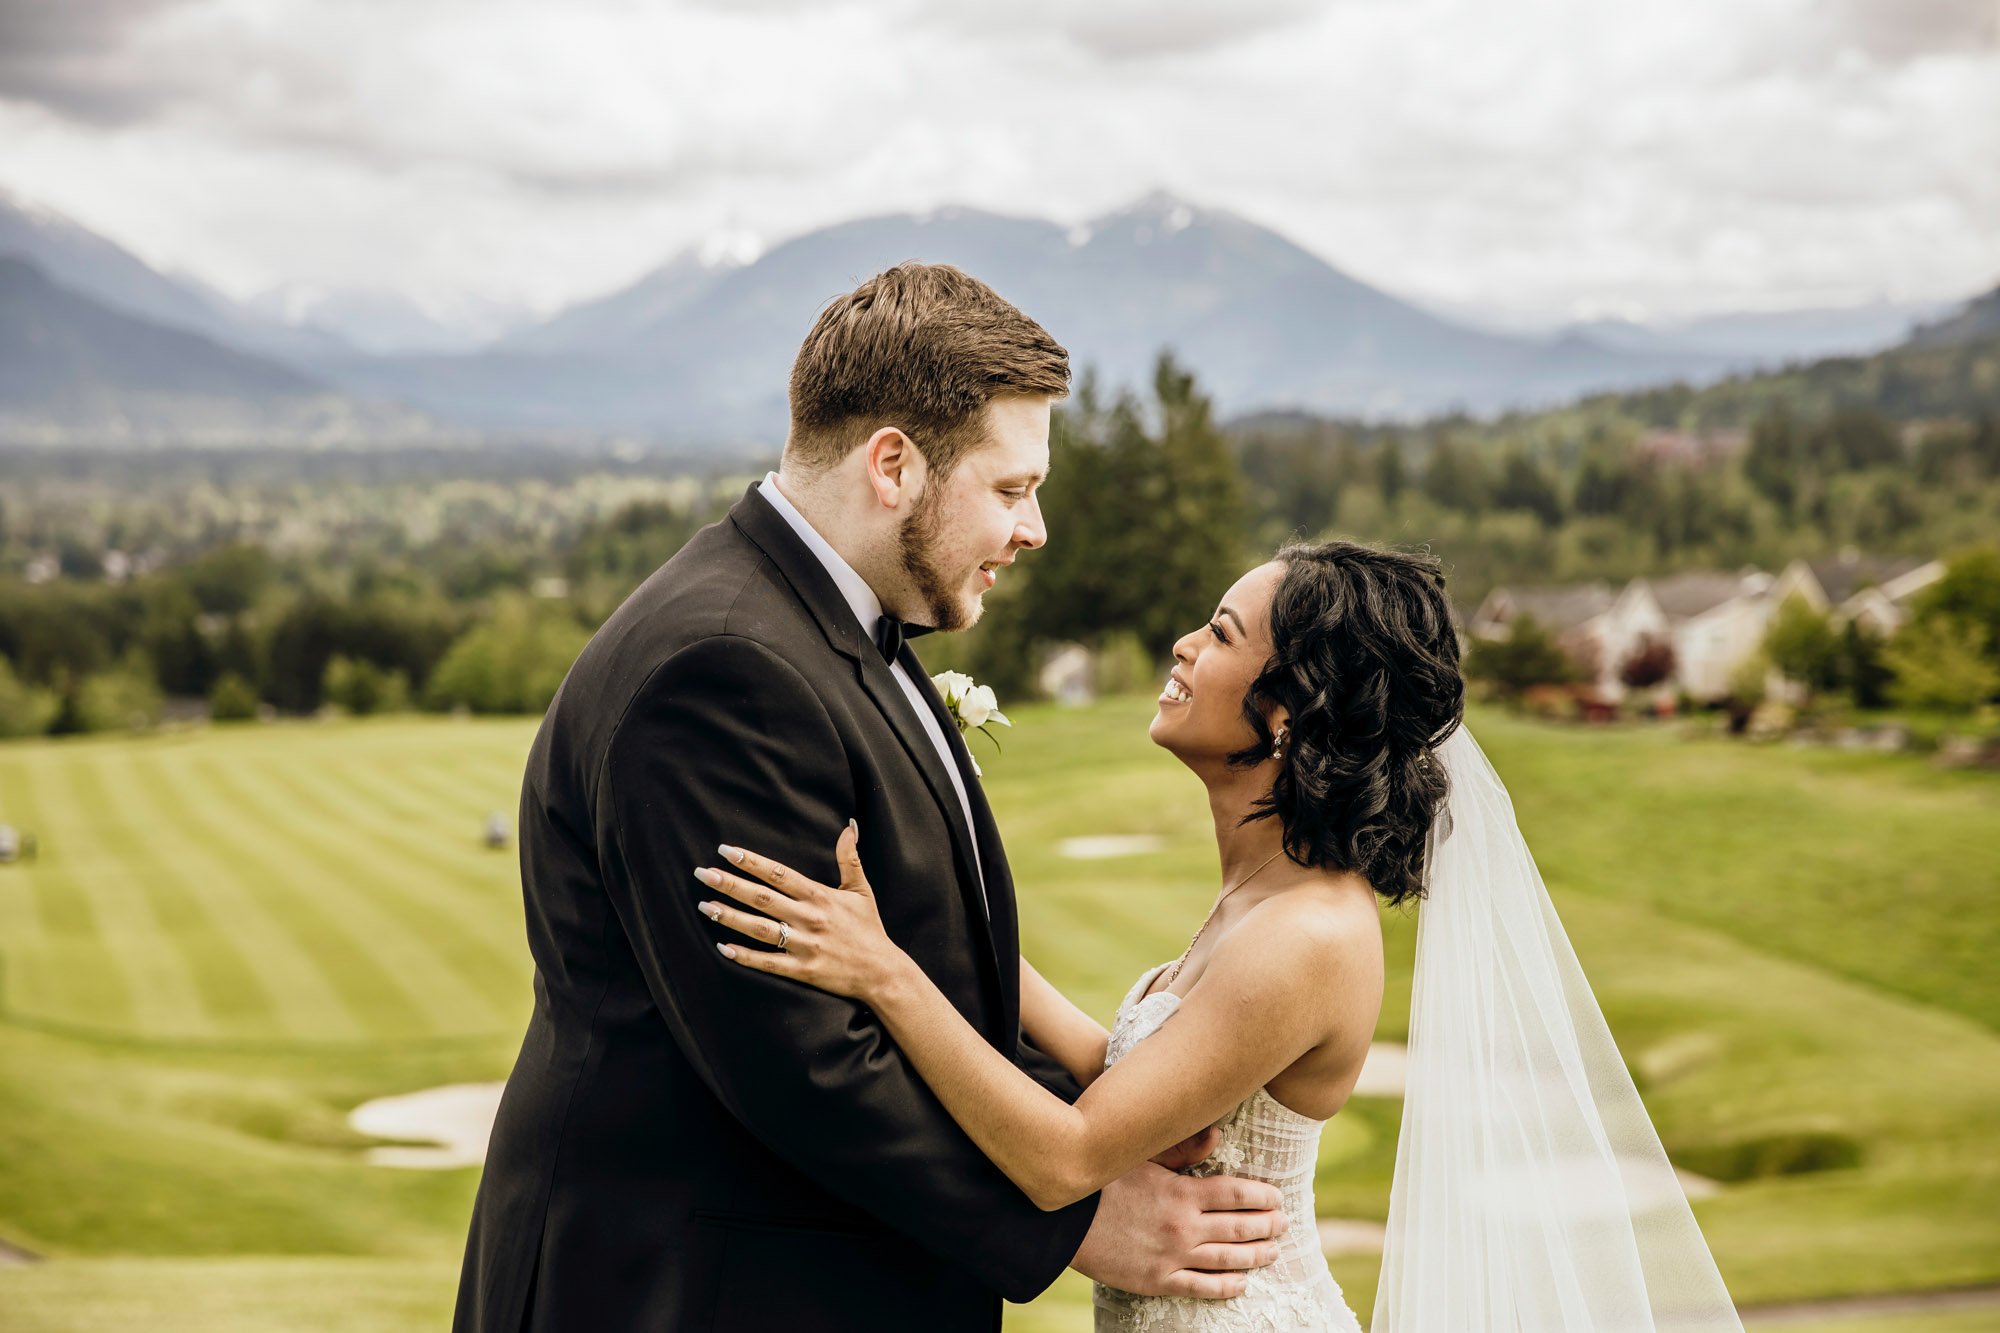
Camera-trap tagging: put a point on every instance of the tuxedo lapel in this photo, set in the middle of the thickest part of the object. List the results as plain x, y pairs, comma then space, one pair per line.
999, 882
816, 591
895, 705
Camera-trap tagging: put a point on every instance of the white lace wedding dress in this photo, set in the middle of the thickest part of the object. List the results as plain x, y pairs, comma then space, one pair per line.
1261, 1140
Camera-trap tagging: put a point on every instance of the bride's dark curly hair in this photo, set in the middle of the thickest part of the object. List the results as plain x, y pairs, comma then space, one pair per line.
1365, 660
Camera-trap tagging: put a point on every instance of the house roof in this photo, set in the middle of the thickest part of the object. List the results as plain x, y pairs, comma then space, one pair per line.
1690, 594
1851, 571
1557, 608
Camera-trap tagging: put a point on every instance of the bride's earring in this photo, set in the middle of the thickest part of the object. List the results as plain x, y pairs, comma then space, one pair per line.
1278, 743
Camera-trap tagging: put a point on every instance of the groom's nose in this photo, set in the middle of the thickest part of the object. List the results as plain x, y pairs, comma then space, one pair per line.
1030, 531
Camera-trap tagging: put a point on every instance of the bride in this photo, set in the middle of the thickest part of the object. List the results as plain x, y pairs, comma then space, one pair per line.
1321, 707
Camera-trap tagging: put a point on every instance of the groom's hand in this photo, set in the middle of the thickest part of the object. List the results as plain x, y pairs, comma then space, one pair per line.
1188, 1151
1161, 1234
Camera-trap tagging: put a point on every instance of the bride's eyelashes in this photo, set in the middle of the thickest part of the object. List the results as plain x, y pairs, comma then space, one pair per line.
1215, 628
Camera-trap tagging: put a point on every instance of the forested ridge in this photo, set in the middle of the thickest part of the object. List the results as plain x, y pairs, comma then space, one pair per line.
284, 583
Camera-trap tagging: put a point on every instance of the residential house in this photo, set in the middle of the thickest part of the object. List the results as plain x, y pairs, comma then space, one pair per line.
1875, 590
1597, 627
1714, 620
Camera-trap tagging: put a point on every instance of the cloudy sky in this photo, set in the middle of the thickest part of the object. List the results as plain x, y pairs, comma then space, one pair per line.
1530, 159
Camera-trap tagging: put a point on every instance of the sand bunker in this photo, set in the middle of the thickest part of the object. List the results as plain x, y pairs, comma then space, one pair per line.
457, 1118
1106, 846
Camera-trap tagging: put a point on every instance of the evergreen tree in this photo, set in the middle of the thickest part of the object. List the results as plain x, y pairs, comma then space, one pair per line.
1775, 461
1393, 476
1454, 478
1802, 646
1145, 529
1528, 656
1524, 485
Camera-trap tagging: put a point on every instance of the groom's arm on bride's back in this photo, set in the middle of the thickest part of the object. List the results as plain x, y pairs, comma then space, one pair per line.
729, 742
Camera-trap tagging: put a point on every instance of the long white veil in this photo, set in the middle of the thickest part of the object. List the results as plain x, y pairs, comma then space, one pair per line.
1531, 1194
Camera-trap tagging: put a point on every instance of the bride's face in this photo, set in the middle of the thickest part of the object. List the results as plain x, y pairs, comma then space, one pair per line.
1201, 709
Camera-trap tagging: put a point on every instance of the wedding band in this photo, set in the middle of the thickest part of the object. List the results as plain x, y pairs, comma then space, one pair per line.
784, 933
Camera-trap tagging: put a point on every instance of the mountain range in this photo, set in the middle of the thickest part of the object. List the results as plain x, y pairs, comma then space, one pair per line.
76, 371
697, 354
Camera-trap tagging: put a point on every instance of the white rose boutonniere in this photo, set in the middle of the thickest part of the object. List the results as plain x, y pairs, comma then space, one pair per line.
972, 706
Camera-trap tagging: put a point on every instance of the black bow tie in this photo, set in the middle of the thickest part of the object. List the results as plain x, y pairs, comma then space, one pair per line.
890, 634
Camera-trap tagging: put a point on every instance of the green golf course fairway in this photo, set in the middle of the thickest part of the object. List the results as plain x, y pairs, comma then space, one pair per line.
232, 936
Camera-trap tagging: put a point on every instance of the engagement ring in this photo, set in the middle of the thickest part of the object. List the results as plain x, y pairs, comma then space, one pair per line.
784, 933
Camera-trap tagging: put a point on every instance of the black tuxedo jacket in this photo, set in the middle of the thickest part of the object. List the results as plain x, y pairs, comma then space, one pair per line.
688, 1144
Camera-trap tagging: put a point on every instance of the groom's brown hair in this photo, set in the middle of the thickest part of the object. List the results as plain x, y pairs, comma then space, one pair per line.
923, 348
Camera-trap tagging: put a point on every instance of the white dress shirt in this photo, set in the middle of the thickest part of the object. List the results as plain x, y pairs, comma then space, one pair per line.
867, 608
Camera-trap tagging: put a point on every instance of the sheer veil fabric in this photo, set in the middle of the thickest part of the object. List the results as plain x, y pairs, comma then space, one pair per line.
1531, 1193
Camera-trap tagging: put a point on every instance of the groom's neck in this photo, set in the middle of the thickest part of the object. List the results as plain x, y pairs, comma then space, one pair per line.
838, 507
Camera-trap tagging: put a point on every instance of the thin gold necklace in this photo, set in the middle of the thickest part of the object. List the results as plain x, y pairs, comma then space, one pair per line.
1220, 898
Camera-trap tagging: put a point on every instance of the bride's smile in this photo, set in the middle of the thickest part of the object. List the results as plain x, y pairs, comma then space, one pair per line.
1201, 720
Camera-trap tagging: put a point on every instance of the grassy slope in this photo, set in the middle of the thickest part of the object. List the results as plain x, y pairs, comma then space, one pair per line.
1651, 843
263, 899
267, 884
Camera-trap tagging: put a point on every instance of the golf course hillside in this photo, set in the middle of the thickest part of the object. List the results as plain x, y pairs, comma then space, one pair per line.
228, 938
291, 885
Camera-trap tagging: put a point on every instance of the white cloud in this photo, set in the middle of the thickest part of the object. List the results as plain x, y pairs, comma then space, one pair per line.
1545, 156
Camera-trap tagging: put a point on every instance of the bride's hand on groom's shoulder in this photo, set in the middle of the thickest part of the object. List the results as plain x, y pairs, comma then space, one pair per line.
829, 936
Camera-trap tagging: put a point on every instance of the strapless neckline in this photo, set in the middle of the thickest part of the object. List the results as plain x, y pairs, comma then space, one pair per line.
1262, 1139
1139, 1014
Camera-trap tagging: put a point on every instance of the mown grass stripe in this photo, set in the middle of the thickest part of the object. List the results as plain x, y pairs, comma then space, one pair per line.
232, 997
467, 901
451, 851
303, 1000
425, 951
458, 782
341, 946
64, 970
432, 833
165, 1000
448, 800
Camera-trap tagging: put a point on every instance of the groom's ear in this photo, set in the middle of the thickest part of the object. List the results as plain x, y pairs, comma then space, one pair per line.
894, 466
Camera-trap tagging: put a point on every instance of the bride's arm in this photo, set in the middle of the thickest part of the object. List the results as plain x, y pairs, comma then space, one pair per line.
1265, 998
1052, 1022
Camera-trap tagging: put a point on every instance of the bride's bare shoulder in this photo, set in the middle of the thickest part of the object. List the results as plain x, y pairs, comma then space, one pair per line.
1306, 939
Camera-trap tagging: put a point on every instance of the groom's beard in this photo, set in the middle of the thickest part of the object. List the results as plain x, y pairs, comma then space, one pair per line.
919, 539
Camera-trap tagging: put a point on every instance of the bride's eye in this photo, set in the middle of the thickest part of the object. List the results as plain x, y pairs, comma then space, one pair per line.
1216, 630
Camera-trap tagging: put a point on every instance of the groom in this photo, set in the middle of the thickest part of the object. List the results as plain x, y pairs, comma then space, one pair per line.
688, 1144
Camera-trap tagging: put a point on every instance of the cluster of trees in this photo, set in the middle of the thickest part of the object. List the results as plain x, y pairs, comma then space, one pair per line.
1572, 495
246, 634
1947, 658
1898, 451
1153, 509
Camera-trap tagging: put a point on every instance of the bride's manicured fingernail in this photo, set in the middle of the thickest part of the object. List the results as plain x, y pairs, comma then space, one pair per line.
713, 911
726, 950
854, 826
708, 876
730, 854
